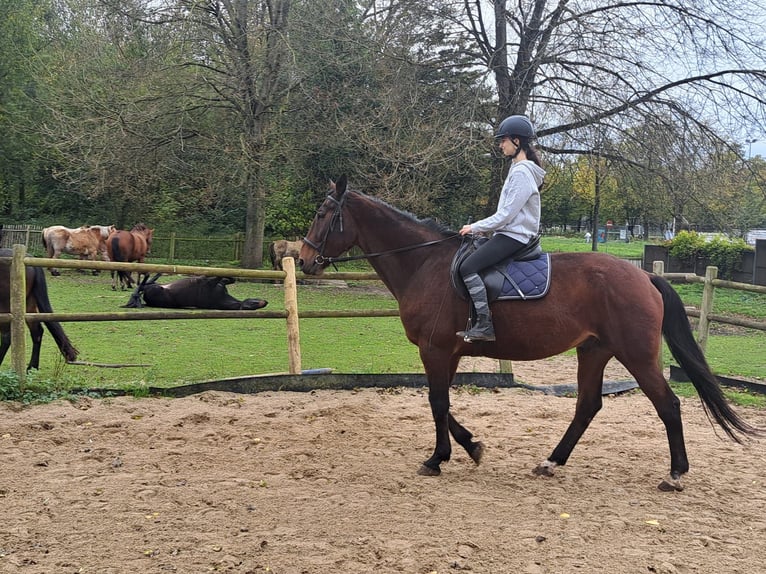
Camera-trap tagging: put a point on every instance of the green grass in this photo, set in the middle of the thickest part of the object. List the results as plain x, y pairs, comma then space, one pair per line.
632, 250
178, 352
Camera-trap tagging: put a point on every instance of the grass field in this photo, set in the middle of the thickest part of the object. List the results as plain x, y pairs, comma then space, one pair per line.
174, 352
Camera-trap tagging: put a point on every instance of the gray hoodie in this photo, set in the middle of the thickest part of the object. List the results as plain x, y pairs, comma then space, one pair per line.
518, 209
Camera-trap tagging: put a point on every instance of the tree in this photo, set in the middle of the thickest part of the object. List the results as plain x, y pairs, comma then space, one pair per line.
573, 65
387, 97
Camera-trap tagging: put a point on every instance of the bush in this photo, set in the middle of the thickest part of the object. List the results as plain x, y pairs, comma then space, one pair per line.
721, 251
686, 245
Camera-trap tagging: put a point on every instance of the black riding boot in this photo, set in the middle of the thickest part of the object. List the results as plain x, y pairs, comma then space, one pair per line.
483, 329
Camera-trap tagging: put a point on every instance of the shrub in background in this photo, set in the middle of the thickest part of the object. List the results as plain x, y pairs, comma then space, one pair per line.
720, 251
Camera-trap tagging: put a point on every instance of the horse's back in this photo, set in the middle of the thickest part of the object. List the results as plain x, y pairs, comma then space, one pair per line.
592, 297
126, 246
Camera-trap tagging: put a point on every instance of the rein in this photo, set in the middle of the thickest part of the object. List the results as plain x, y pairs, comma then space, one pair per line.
321, 259
337, 217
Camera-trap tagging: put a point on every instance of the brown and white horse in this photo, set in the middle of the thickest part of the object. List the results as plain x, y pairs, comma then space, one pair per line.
282, 248
87, 242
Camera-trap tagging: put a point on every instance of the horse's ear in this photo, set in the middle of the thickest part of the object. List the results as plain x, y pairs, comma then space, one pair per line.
340, 185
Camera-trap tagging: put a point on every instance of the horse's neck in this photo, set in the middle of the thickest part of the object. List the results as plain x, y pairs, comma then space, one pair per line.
385, 229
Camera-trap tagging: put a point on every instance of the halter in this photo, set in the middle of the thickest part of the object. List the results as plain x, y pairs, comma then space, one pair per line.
337, 217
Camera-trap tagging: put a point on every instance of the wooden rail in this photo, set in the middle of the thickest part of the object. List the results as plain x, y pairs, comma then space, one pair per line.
710, 281
18, 316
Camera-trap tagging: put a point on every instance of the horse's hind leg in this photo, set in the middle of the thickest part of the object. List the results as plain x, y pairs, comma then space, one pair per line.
5, 341
591, 361
36, 330
652, 382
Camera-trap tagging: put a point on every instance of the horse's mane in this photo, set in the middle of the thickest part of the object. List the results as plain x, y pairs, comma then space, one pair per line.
428, 222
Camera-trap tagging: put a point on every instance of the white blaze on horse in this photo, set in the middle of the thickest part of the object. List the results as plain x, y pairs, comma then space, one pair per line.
87, 242
282, 248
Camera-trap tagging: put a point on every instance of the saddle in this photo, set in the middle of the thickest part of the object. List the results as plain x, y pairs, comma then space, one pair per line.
526, 275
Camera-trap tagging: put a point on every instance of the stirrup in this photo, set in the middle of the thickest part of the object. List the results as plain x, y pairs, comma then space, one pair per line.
478, 334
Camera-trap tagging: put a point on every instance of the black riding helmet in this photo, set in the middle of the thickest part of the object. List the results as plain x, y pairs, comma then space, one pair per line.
516, 126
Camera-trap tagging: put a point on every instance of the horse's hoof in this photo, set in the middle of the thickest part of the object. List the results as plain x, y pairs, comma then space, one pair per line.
428, 471
545, 468
477, 452
671, 484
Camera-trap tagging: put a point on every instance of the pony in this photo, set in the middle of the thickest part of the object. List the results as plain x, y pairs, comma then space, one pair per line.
199, 292
282, 248
600, 305
86, 241
37, 302
128, 246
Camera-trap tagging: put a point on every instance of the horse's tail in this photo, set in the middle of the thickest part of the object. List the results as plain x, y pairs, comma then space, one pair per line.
40, 293
683, 346
116, 255
46, 245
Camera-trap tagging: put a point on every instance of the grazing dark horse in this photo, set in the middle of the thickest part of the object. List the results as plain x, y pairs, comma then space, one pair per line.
282, 248
37, 302
128, 246
600, 305
196, 292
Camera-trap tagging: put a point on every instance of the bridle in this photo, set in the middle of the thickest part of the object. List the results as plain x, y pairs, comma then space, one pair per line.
337, 219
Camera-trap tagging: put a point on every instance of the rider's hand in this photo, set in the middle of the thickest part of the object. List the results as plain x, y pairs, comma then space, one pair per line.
465, 230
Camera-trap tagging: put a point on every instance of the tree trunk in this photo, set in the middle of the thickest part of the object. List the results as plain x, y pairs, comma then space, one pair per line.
252, 256
596, 209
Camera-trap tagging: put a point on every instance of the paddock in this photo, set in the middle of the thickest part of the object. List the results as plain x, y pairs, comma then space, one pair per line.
323, 481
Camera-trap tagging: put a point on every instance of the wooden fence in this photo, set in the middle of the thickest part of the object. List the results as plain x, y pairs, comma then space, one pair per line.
164, 247
18, 316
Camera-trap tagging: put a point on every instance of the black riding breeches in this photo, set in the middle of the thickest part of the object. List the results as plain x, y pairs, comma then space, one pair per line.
498, 247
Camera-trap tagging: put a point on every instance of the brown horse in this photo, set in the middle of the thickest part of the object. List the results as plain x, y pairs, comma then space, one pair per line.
600, 305
87, 242
282, 248
128, 246
37, 302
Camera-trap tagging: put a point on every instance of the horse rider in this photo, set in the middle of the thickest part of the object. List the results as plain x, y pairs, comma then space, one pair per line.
515, 223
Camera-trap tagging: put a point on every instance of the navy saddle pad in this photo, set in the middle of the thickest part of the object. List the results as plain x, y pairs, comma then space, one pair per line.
528, 277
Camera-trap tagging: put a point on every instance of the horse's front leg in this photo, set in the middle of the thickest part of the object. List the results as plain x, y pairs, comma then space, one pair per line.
440, 371
438, 397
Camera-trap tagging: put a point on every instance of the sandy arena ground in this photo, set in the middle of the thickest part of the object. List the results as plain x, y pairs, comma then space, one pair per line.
326, 482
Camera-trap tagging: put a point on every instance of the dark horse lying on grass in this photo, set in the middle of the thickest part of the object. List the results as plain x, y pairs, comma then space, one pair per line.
600, 305
37, 302
196, 291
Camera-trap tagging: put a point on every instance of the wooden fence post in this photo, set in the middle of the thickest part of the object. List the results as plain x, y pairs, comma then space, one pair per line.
172, 247
18, 311
706, 307
238, 246
291, 307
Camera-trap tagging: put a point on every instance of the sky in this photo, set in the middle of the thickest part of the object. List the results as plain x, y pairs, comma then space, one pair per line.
758, 148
